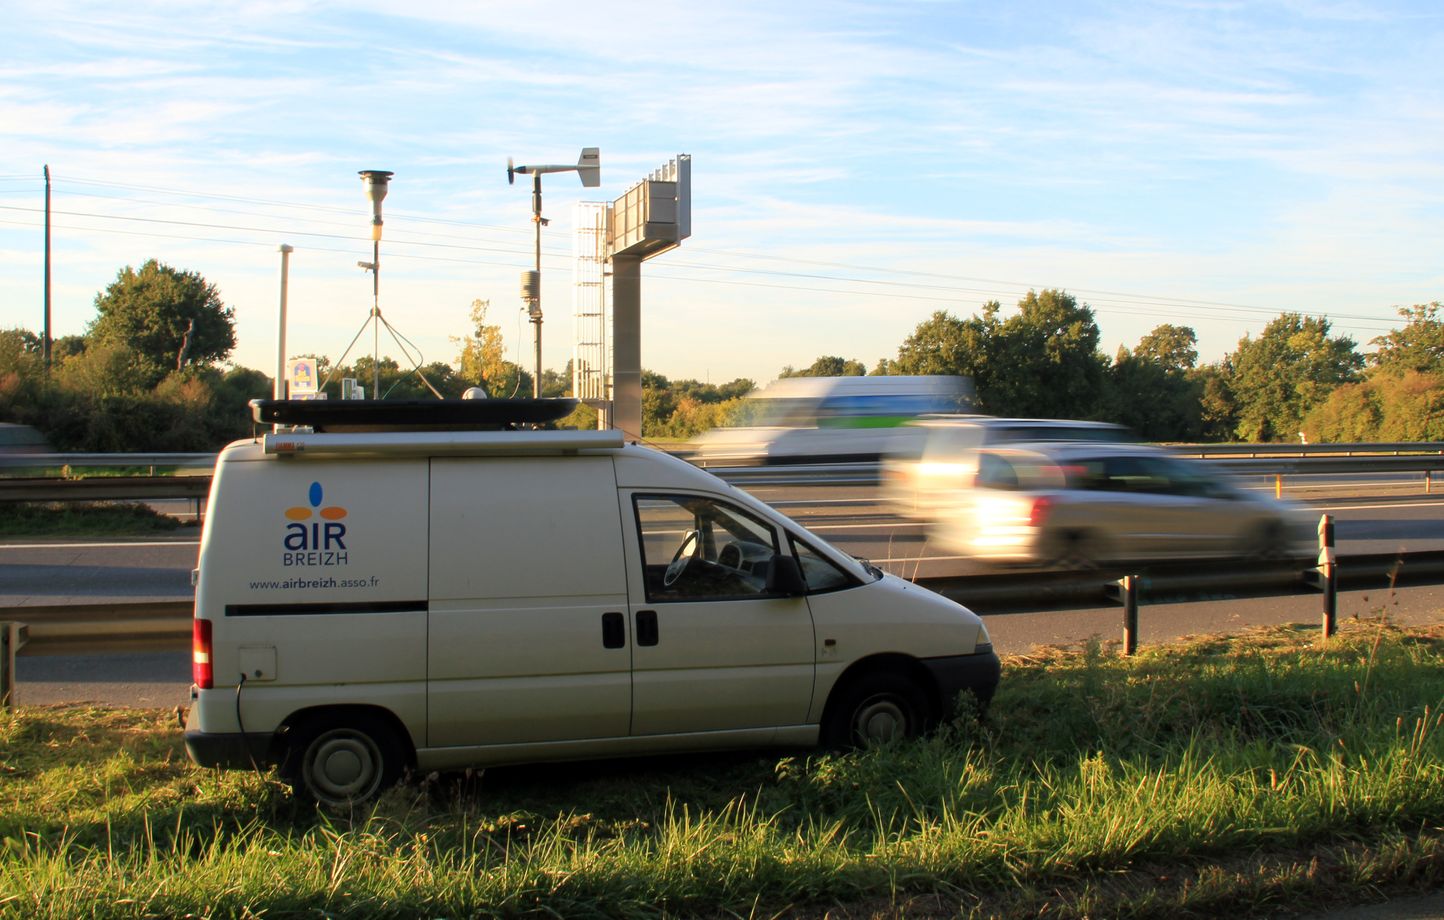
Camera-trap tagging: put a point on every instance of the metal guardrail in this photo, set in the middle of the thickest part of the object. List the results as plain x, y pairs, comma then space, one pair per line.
76, 629
184, 461
1354, 449
104, 488
1284, 460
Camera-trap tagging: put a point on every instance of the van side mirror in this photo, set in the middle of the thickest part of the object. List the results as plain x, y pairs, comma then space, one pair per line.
784, 576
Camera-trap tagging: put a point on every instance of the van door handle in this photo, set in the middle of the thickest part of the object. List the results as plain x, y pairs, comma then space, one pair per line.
646, 627
614, 630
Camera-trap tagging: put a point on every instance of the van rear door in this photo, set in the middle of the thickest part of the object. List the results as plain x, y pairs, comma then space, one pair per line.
528, 597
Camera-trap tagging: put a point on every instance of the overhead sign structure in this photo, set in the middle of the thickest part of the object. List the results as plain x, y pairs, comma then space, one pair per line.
650, 218
654, 215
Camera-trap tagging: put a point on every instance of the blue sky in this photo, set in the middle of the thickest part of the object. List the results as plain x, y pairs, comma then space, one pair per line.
856, 166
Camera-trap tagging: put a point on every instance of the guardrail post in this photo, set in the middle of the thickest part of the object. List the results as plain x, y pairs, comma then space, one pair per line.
1278, 485
12, 637
1328, 575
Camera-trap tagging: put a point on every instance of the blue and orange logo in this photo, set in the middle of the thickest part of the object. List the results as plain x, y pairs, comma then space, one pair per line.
303, 512
315, 534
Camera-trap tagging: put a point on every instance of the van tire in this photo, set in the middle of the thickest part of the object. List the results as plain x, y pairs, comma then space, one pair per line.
342, 764
876, 708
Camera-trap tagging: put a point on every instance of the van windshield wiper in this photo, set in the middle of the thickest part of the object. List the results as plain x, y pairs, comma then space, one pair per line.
871, 569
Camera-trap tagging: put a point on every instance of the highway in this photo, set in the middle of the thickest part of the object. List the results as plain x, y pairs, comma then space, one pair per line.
849, 516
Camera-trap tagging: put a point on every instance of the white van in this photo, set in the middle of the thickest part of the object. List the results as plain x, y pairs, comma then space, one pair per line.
375, 601
831, 419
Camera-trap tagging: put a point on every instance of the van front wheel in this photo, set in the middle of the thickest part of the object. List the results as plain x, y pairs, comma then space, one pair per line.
342, 765
876, 709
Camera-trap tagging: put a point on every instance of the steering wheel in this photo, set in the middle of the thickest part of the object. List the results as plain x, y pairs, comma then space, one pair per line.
685, 553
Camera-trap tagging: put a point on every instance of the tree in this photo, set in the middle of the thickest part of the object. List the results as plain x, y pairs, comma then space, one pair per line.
1217, 410
1351, 414
20, 352
828, 366
944, 344
1173, 348
1150, 389
106, 369
169, 318
1279, 377
1046, 363
483, 354
685, 408
1419, 346
1043, 361
1407, 406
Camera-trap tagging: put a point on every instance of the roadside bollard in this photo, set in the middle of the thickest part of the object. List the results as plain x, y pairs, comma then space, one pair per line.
1328, 576
1126, 590
12, 637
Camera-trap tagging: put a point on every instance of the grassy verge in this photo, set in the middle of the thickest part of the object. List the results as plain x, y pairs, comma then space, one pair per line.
1222, 777
81, 519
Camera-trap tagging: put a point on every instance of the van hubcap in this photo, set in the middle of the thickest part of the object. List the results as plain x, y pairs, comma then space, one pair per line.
880, 721
344, 765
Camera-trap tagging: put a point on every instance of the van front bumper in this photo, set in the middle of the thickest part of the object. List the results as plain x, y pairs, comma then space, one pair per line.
954, 675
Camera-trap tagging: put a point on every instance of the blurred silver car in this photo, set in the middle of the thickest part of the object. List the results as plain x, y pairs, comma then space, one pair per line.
934, 457
1080, 504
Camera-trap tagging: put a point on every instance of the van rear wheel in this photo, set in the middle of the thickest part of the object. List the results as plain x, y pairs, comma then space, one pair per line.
875, 709
341, 765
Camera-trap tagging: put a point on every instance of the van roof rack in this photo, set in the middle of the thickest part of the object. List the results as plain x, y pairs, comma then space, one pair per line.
409, 414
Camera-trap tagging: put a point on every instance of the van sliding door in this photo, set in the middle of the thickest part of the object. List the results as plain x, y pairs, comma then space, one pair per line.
528, 594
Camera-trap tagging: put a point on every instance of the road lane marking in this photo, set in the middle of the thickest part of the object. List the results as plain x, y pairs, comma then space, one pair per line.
1381, 505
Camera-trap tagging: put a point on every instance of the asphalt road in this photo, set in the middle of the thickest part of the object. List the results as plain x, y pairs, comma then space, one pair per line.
46, 572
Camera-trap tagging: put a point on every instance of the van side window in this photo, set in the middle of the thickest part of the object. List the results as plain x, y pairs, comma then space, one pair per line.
818, 572
696, 548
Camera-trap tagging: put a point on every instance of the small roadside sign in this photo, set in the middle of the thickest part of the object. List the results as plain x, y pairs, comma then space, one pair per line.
301, 373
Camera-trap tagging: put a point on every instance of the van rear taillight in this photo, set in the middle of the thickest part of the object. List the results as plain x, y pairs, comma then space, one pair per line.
201, 671
1038, 514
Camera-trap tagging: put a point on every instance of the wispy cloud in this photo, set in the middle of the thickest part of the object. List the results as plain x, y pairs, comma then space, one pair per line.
1257, 153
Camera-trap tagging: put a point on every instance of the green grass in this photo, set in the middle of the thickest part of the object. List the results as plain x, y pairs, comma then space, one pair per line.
1217, 778
81, 519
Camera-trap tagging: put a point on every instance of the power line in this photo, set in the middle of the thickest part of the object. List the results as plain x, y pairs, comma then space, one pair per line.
1009, 285
894, 289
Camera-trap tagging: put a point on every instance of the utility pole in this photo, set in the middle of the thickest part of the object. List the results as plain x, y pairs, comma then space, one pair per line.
279, 388
45, 340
